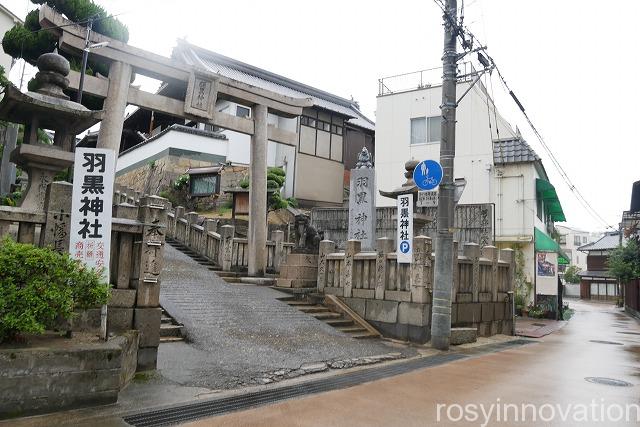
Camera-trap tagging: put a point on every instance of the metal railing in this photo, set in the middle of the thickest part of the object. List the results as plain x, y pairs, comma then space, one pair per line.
421, 79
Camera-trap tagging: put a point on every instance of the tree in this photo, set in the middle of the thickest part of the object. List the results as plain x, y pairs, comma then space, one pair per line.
276, 177
624, 261
28, 42
571, 274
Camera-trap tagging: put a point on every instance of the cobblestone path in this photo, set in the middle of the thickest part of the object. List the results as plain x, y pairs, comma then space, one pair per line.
237, 332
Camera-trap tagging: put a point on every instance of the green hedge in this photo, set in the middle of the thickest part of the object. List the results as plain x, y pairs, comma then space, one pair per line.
39, 285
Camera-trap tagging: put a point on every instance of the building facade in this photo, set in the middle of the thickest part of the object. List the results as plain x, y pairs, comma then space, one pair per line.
331, 132
500, 168
570, 239
596, 282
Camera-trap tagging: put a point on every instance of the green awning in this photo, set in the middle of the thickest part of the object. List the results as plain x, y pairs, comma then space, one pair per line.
544, 243
552, 207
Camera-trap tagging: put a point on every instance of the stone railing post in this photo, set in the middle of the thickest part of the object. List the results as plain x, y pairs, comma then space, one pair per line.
210, 225
491, 253
326, 247
192, 218
472, 251
278, 254
346, 278
456, 273
125, 247
57, 207
179, 212
419, 291
384, 246
153, 214
226, 247
508, 255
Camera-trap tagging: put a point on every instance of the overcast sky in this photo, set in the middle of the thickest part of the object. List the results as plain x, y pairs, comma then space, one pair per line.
573, 64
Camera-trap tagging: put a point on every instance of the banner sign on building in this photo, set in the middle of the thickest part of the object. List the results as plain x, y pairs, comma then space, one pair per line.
91, 207
547, 273
404, 249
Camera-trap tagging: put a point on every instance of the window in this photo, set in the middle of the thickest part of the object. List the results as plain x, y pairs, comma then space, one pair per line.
321, 137
563, 239
418, 130
584, 239
243, 111
434, 126
576, 240
204, 185
209, 127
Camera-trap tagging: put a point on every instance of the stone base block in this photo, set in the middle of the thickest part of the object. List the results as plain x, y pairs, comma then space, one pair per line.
485, 297
464, 297
333, 291
414, 314
147, 322
148, 294
301, 260
488, 311
299, 272
463, 335
397, 295
469, 313
356, 304
412, 333
119, 319
363, 293
484, 329
382, 311
147, 358
124, 298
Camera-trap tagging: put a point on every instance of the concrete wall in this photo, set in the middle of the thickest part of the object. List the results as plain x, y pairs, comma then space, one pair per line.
65, 375
319, 181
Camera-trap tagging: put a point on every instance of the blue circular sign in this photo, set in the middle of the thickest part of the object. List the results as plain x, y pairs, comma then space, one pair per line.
427, 175
404, 247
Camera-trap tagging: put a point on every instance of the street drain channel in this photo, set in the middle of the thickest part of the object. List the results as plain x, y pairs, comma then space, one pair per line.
608, 381
606, 342
629, 333
219, 406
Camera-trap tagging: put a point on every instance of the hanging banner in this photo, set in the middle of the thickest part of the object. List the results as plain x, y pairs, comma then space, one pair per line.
547, 273
91, 207
404, 249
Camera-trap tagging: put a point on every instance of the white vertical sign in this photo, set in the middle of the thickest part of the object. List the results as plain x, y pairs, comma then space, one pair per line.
91, 207
404, 249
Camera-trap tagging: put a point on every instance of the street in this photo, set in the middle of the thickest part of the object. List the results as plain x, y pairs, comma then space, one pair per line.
552, 371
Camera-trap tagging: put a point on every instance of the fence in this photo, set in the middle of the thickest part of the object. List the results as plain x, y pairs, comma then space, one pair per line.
397, 297
218, 243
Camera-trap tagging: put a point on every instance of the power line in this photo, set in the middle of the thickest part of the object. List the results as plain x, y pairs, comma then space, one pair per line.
467, 40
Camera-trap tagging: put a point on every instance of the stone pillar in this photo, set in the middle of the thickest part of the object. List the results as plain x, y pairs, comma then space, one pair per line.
211, 225
362, 206
509, 256
346, 276
418, 279
456, 273
326, 247
114, 106
192, 218
257, 236
57, 207
125, 247
385, 246
472, 252
179, 212
153, 213
491, 253
226, 247
278, 253
27, 232
8, 169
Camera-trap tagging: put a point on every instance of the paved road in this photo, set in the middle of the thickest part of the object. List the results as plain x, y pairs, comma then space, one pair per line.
237, 332
552, 372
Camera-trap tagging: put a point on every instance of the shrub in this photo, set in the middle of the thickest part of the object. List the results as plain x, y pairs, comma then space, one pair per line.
38, 285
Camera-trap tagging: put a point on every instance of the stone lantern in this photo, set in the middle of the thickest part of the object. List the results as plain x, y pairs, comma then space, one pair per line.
46, 108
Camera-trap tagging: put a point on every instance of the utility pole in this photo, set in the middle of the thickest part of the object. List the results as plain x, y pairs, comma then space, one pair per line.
443, 278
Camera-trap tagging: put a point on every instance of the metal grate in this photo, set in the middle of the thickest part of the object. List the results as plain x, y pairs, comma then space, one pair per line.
193, 411
608, 381
606, 342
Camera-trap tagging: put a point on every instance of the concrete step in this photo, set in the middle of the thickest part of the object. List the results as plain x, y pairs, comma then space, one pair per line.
258, 281
364, 335
170, 330
351, 329
326, 315
313, 309
298, 302
339, 322
171, 339
166, 320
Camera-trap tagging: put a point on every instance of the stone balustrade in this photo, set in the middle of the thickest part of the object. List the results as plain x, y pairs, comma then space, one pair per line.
396, 298
217, 243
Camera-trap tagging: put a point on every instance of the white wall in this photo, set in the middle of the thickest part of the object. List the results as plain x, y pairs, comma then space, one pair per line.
474, 147
6, 23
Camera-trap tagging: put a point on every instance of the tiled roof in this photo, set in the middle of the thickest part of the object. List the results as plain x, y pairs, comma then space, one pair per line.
608, 241
513, 150
264, 79
596, 273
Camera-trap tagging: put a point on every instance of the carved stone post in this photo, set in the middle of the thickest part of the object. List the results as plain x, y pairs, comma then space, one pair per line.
210, 226
57, 207
346, 279
472, 251
491, 253
278, 254
125, 246
226, 247
384, 246
419, 291
326, 247
192, 218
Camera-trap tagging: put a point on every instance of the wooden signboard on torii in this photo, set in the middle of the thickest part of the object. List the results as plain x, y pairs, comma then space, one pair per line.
202, 89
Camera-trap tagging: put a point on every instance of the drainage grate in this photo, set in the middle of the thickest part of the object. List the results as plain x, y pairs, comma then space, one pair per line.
608, 381
193, 411
629, 333
606, 342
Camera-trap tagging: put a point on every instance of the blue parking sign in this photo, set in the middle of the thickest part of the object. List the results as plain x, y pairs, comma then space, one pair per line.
427, 175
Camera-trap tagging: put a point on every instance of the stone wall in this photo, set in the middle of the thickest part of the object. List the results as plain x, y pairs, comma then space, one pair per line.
65, 375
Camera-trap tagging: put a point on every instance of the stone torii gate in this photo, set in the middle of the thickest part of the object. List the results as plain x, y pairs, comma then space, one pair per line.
203, 88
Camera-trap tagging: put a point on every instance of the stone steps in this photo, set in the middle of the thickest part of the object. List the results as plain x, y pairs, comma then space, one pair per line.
312, 308
326, 315
170, 329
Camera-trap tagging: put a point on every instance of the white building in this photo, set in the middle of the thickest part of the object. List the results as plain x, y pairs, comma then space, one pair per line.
571, 239
500, 167
7, 21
